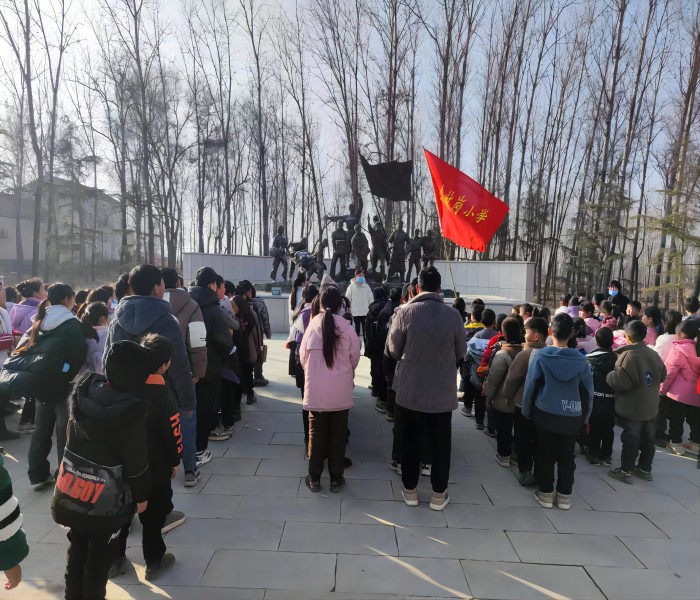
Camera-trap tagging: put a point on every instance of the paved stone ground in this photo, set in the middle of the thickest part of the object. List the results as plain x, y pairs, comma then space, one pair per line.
254, 530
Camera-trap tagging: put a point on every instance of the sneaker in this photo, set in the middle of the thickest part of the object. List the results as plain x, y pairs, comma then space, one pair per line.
526, 479
607, 461
504, 461
262, 382
691, 448
466, 412
642, 474
347, 462
119, 567
219, 436
545, 499
313, 484
479, 426
192, 478
203, 457
621, 475
42, 485
426, 470
389, 416
155, 570
395, 466
676, 448
173, 520
380, 406
336, 485
563, 501
491, 434
251, 399
439, 501
592, 458
513, 460
229, 429
410, 497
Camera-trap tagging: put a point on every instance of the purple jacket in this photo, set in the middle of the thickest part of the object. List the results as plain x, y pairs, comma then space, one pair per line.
23, 313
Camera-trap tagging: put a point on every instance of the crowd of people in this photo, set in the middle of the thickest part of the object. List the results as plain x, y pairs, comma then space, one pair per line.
138, 377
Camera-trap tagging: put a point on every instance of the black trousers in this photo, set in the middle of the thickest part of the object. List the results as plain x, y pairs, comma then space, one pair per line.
637, 443
292, 358
601, 434
359, 326
258, 367
677, 414
413, 263
207, 390
328, 436
555, 449
230, 402
246, 376
479, 406
279, 260
88, 560
50, 416
437, 427
503, 423
305, 419
525, 441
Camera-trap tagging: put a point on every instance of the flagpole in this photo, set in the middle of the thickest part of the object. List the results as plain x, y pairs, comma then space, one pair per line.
449, 264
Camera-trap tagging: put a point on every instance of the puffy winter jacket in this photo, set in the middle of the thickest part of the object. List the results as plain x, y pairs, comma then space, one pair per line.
189, 315
682, 372
260, 309
515, 380
23, 313
360, 296
329, 389
602, 362
496, 378
138, 315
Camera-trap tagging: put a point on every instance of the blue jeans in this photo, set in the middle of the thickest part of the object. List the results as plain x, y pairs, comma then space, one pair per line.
188, 422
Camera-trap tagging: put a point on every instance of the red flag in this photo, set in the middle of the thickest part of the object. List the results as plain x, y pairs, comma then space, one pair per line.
469, 214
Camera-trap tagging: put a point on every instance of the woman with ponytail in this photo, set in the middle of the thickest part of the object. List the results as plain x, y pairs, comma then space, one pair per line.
329, 354
47, 359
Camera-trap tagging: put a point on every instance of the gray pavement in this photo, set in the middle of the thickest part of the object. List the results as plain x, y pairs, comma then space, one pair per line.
254, 530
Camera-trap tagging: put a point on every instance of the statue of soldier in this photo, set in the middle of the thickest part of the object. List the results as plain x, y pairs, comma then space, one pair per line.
341, 250
317, 265
397, 265
380, 248
353, 216
279, 254
360, 248
414, 247
429, 245
301, 246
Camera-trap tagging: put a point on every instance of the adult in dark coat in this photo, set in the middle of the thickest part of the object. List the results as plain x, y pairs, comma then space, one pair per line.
380, 247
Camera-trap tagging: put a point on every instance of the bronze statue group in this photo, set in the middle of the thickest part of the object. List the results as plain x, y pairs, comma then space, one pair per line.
351, 250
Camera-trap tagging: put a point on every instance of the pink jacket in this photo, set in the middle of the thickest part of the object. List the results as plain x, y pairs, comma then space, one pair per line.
327, 389
593, 323
683, 370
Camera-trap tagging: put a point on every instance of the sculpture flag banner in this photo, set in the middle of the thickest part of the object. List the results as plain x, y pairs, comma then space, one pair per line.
390, 180
469, 213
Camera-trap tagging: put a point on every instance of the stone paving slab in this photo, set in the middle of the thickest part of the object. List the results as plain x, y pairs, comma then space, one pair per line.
254, 530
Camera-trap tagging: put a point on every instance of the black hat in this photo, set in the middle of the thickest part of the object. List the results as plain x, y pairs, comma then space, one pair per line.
127, 364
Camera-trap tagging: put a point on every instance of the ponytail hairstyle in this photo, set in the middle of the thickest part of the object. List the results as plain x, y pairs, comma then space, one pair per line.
316, 306
58, 293
309, 293
93, 312
331, 301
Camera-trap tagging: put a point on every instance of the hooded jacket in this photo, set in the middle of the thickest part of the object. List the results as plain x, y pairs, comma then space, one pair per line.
360, 296
138, 315
636, 379
329, 389
219, 339
558, 393
46, 369
427, 339
105, 467
682, 373
189, 315
23, 313
602, 362
514, 385
496, 378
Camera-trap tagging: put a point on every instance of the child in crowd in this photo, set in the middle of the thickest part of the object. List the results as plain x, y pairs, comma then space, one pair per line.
329, 354
558, 397
477, 342
164, 440
601, 432
503, 407
663, 347
683, 371
96, 314
608, 319
583, 340
536, 332
652, 319
636, 379
586, 312
104, 475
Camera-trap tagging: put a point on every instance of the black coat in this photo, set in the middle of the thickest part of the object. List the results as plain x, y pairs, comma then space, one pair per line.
219, 340
602, 362
107, 427
374, 346
162, 430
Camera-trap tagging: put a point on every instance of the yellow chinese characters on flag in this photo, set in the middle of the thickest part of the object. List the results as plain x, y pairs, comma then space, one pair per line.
469, 214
